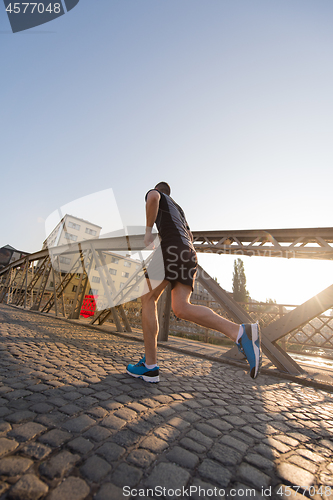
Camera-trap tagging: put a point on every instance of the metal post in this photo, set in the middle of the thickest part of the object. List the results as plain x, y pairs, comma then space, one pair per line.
62, 302
26, 282
164, 309
54, 292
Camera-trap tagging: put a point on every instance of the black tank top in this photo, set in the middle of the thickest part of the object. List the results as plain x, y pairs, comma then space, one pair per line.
171, 223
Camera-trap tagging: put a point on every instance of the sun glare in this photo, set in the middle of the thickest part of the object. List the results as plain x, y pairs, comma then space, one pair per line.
287, 281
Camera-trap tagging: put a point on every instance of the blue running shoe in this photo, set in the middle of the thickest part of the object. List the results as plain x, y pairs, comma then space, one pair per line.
249, 345
141, 371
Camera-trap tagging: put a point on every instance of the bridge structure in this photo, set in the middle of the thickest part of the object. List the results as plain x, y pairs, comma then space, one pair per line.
24, 283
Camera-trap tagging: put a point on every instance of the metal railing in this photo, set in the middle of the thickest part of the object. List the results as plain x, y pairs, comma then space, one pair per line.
38, 282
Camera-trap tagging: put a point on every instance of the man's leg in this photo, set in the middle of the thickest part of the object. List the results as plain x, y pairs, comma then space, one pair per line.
247, 336
147, 368
200, 315
150, 320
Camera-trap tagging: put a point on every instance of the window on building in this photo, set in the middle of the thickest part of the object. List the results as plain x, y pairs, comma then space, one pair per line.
114, 260
122, 285
96, 279
70, 236
65, 260
93, 291
125, 275
92, 232
127, 264
112, 271
74, 226
74, 288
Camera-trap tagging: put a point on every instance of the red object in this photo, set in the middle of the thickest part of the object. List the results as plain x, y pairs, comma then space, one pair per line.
89, 306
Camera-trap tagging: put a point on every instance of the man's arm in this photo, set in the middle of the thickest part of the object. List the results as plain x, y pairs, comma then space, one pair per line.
152, 204
188, 229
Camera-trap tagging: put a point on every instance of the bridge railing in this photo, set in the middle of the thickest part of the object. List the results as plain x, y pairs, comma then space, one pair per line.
38, 282
313, 338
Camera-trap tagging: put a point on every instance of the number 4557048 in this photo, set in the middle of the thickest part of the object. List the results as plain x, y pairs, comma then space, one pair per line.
306, 491
30, 8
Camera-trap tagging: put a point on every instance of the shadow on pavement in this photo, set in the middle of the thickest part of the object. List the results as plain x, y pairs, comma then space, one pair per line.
73, 423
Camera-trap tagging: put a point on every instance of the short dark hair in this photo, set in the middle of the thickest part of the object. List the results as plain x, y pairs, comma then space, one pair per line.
163, 187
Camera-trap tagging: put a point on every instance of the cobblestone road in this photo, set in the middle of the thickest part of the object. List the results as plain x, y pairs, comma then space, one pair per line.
74, 426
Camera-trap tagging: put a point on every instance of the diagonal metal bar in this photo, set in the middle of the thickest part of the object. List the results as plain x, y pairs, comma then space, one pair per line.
122, 295
41, 289
7, 284
222, 297
38, 275
26, 283
277, 355
300, 315
82, 285
114, 292
107, 284
54, 292
62, 285
292, 320
19, 287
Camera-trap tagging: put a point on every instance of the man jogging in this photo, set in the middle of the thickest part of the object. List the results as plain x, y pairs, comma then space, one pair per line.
179, 269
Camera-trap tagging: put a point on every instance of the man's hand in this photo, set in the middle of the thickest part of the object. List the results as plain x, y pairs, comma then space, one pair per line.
152, 205
149, 238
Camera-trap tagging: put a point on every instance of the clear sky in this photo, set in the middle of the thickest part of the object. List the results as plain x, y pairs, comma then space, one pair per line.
230, 101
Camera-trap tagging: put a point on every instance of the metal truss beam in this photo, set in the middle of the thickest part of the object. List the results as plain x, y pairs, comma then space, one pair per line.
308, 243
313, 243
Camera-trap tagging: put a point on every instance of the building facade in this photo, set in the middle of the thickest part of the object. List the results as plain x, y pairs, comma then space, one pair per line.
119, 267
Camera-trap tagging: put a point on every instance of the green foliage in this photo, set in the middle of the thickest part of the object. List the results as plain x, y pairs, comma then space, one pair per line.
239, 290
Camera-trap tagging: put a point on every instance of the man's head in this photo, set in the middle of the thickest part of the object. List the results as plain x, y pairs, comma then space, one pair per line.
163, 187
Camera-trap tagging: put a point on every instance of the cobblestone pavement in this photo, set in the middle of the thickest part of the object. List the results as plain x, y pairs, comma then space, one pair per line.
74, 426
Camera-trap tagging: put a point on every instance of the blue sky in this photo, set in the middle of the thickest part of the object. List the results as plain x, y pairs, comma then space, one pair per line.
229, 101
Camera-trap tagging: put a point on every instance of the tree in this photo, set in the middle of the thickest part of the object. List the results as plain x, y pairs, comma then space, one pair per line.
239, 290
